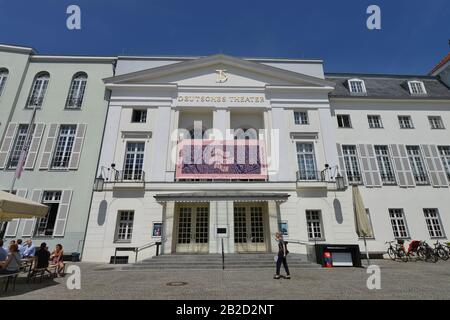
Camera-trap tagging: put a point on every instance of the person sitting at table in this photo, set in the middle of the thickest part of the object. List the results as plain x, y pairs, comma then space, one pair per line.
57, 259
3, 252
42, 258
12, 262
30, 250
21, 247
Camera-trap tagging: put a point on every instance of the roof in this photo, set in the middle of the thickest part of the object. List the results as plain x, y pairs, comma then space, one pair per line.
388, 86
441, 63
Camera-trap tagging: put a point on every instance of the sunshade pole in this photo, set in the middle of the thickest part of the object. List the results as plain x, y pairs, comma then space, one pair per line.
367, 251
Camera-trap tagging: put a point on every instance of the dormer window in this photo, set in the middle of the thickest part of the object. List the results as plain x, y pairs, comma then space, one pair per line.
416, 88
357, 87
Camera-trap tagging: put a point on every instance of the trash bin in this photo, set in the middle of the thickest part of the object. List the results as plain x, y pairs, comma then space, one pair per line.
75, 256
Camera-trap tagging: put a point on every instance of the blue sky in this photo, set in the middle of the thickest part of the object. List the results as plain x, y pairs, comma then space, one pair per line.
413, 38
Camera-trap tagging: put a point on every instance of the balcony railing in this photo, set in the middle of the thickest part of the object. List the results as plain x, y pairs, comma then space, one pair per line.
128, 176
311, 176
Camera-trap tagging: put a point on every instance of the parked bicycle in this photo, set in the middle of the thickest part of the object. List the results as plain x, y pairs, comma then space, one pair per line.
441, 251
426, 253
397, 251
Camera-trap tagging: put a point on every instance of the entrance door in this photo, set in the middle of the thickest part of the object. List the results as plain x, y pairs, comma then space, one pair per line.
249, 228
192, 229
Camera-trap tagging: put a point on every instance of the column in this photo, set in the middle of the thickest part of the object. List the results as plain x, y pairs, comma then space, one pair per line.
172, 149
221, 120
272, 208
168, 223
221, 216
161, 144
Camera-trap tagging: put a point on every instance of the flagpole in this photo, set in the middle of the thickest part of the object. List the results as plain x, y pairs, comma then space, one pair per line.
24, 150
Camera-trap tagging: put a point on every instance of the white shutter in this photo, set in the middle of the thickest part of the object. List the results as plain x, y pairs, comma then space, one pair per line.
28, 224
341, 163
13, 225
401, 165
438, 177
7, 144
63, 213
52, 135
370, 173
77, 146
34, 147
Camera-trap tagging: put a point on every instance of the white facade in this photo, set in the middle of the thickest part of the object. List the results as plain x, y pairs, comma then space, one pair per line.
226, 93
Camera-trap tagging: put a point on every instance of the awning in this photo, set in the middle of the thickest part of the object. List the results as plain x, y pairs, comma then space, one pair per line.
14, 207
224, 195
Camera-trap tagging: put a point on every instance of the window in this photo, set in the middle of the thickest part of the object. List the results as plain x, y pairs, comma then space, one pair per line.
370, 224
351, 164
134, 161
306, 161
19, 143
38, 90
444, 151
384, 164
398, 223
301, 117
242, 134
314, 225
405, 122
434, 224
139, 116
76, 91
344, 121
124, 227
374, 122
416, 88
417, 164
3, 78
46, 225
64, 146
436, 122
356, 86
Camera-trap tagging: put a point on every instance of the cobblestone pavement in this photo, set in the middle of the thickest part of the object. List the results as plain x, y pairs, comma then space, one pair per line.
412, 280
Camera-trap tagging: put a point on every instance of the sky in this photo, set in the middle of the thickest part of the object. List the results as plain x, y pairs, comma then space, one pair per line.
414, 34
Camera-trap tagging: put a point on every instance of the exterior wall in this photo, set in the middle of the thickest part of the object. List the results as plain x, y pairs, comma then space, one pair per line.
92, 113
412, 200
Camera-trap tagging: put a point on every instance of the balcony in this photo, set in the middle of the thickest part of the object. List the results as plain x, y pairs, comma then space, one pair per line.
311, 180
127, 179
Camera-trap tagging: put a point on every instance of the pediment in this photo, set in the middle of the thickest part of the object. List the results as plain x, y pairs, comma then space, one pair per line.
219, 70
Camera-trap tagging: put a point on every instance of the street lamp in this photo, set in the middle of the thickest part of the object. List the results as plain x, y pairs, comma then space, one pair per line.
98, 183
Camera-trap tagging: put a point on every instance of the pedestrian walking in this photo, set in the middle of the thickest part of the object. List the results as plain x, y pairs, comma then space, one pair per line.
281, 258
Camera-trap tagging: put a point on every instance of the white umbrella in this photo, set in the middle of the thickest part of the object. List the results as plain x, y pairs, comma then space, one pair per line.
14, 207
363, 228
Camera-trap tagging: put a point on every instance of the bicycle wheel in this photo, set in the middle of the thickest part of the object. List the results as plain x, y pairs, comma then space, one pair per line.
433, 256
421, 254
442, 254
402, 255
391, 254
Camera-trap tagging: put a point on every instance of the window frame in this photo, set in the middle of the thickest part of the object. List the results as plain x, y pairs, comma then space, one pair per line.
126, 221
438, 219
80, 88
320, 225
349, 121
298, 112
65, 150
39, 221
400, 121
444, 154
363, 91
134, 110
40, 96
18, 134
308, 176
380, 158
134, 172
440, 122
412, 158
369, 116
421, 84
356, 156
4, 76
405, 223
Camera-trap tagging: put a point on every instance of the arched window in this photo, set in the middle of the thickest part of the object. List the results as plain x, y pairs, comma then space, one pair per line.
76, 91
3, 77
38, 90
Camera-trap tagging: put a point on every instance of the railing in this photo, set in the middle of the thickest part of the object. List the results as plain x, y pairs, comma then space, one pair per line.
136, 250
128, 176
311, 176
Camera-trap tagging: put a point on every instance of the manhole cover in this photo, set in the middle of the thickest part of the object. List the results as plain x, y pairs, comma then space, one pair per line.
176, 284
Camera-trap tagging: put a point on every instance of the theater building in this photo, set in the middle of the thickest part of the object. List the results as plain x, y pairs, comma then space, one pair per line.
68, 95
170, 169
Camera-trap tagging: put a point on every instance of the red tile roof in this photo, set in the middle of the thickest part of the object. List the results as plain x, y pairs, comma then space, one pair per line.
440, 64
